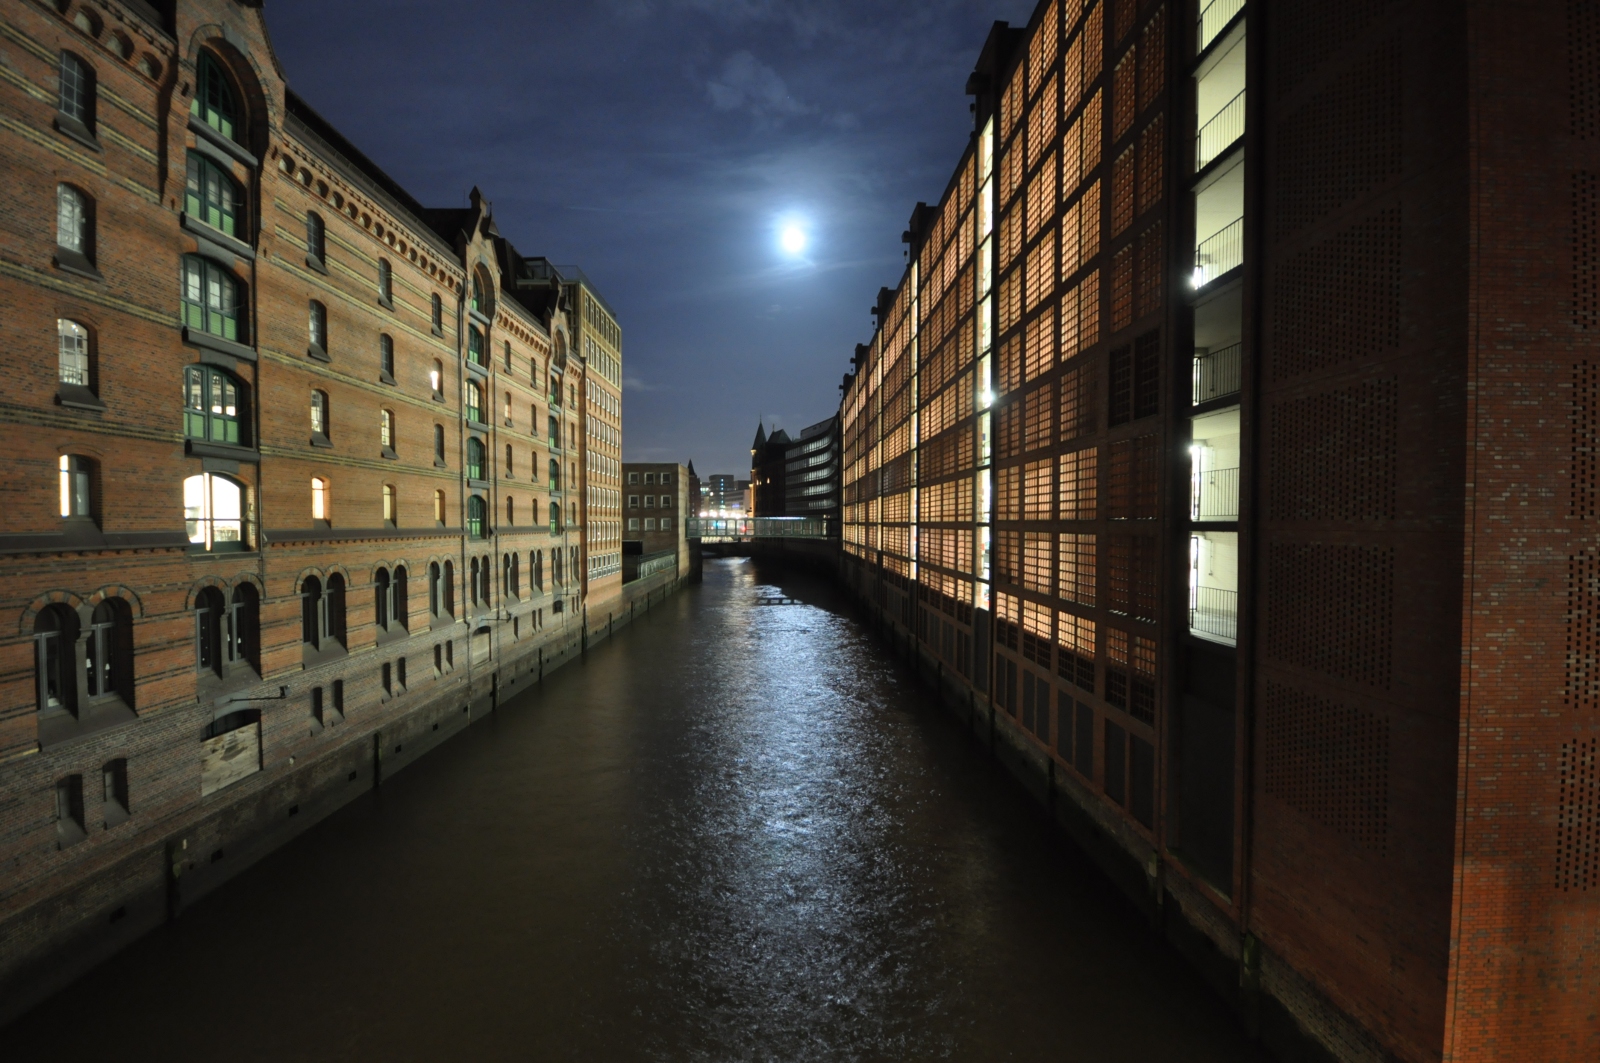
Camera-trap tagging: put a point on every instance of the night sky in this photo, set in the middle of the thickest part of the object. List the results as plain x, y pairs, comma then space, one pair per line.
665, 146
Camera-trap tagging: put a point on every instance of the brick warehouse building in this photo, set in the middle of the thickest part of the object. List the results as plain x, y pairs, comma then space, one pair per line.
387, 497
1228, 445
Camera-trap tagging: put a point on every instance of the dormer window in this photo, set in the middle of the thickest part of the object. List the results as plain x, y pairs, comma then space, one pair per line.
215, 103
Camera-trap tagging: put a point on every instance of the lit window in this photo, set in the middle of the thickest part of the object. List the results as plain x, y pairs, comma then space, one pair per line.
211, 405
317, 323
388, 504
436, 377
210, 196
319, 413
73, 348
213, 512
72, 220
474, 402
211, 298
215, 103
319, 498
386, 428
438, 507
77, 476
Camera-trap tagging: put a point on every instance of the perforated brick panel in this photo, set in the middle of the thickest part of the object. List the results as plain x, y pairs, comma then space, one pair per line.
1583, 66
1333, 455
1586, 250
1331, 608
1583, 631
1307, 34
1341, 144
1578, 816
1328, 761
1340, 299
1583, 413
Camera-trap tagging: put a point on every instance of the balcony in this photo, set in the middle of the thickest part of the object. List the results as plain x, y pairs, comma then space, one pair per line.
1214, 586
1219, 253
1217, 374
1220, 132
1214, 614
1214, 495
1214, 16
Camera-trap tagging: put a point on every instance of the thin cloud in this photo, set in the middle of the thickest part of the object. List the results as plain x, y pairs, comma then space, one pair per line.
748, 84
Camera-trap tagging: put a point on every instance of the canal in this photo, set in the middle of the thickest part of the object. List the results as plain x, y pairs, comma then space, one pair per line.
735, 832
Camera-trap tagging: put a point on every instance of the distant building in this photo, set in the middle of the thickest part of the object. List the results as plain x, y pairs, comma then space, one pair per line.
695, 498
655, 501
767, 454
811, 472
726, 496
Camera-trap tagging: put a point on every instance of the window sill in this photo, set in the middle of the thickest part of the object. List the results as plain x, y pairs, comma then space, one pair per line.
437, 331
77, 264
385, 378
477, 426
317, 354
387, 636
479, 317
61, 728
478, 370
78, 397
388, 452
199, 448
216, 139
320, 440
387, 304
437, 464
316, 263
197, 338
204, 234
76, 130
311, 656
438, 396
481, 485
112, 814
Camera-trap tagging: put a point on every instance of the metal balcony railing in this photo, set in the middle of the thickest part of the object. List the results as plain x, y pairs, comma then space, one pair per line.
1214, 16
1225, 127
1218, 253
1217, 374
1214, 614
1214, 495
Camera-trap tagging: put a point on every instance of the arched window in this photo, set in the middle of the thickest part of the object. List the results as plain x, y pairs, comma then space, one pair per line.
555, 517
73, 232
386, 358
107, 669
511, 511
390, 517
510, 468
474, 402
312, 611
55, 638
479, 303
555, 475
474, 345
538, 569
208, 614
211, 196
211, 299
320, 419
516, 577
243, 635
77, 486
477, 517
438, 319
401, 612
472, 583
483, 577
505, 575
385, 281
320, 507
317, 328
213, 512
211, 405
382, 605
334, 599
72, 352
316, 238
475, 459
433, 589
438, 444
386, 428
449, 587
436, 378
75, 89
215, 102
438, 507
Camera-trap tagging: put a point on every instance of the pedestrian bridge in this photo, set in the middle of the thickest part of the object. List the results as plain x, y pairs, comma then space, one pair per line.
739, 529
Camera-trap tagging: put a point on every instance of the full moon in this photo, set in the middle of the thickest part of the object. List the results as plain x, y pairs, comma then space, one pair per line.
793, 239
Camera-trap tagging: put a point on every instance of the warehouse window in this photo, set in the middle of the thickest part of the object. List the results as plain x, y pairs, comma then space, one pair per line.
316, 240
438, 508
320, 417
77, 486
474, 345
438, 321
474, 402
211, 298
208, 613
213, 512
76, 92
212, 197
385, 283
211, 409
386, 358
320, 502
72, 352
475, 459
242, 636
477, 517
55, 634
390, 517
317, 329
74, 228
215, 102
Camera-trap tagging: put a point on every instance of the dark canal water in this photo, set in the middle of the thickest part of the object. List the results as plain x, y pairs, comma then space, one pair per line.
736, 832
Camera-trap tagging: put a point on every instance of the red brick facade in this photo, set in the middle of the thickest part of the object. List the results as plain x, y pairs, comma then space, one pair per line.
165, 744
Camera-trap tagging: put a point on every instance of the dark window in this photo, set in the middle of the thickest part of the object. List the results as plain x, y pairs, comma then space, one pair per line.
107, 649
475, 459
555, 475
338, 696
208, 610
243, 634
75, 86
211, 299
438, 443
215, 102
77, 486
400, 672
1116, 763
386, 356
334, 599
555, 526
211, 405
69, 811
114, 791
74, 223
385, 281
478, 302
311, 611
317, 326
477, 517
316, 238
381, 603
472, 583
433, 589
438, 317
483, 580
510, 465
55, 636
388, 681
449, 587
474, 345
212, 197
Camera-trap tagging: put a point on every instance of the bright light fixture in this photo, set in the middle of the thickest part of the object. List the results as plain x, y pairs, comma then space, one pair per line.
792, 239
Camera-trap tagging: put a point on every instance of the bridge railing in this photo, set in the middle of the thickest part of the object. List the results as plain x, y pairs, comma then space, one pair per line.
715, 528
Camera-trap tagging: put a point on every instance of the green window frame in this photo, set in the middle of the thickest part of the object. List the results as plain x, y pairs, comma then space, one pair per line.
215, 102
213, 197
211, 409
211, 298
475, 458
475, 346
477, 514
474, 402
